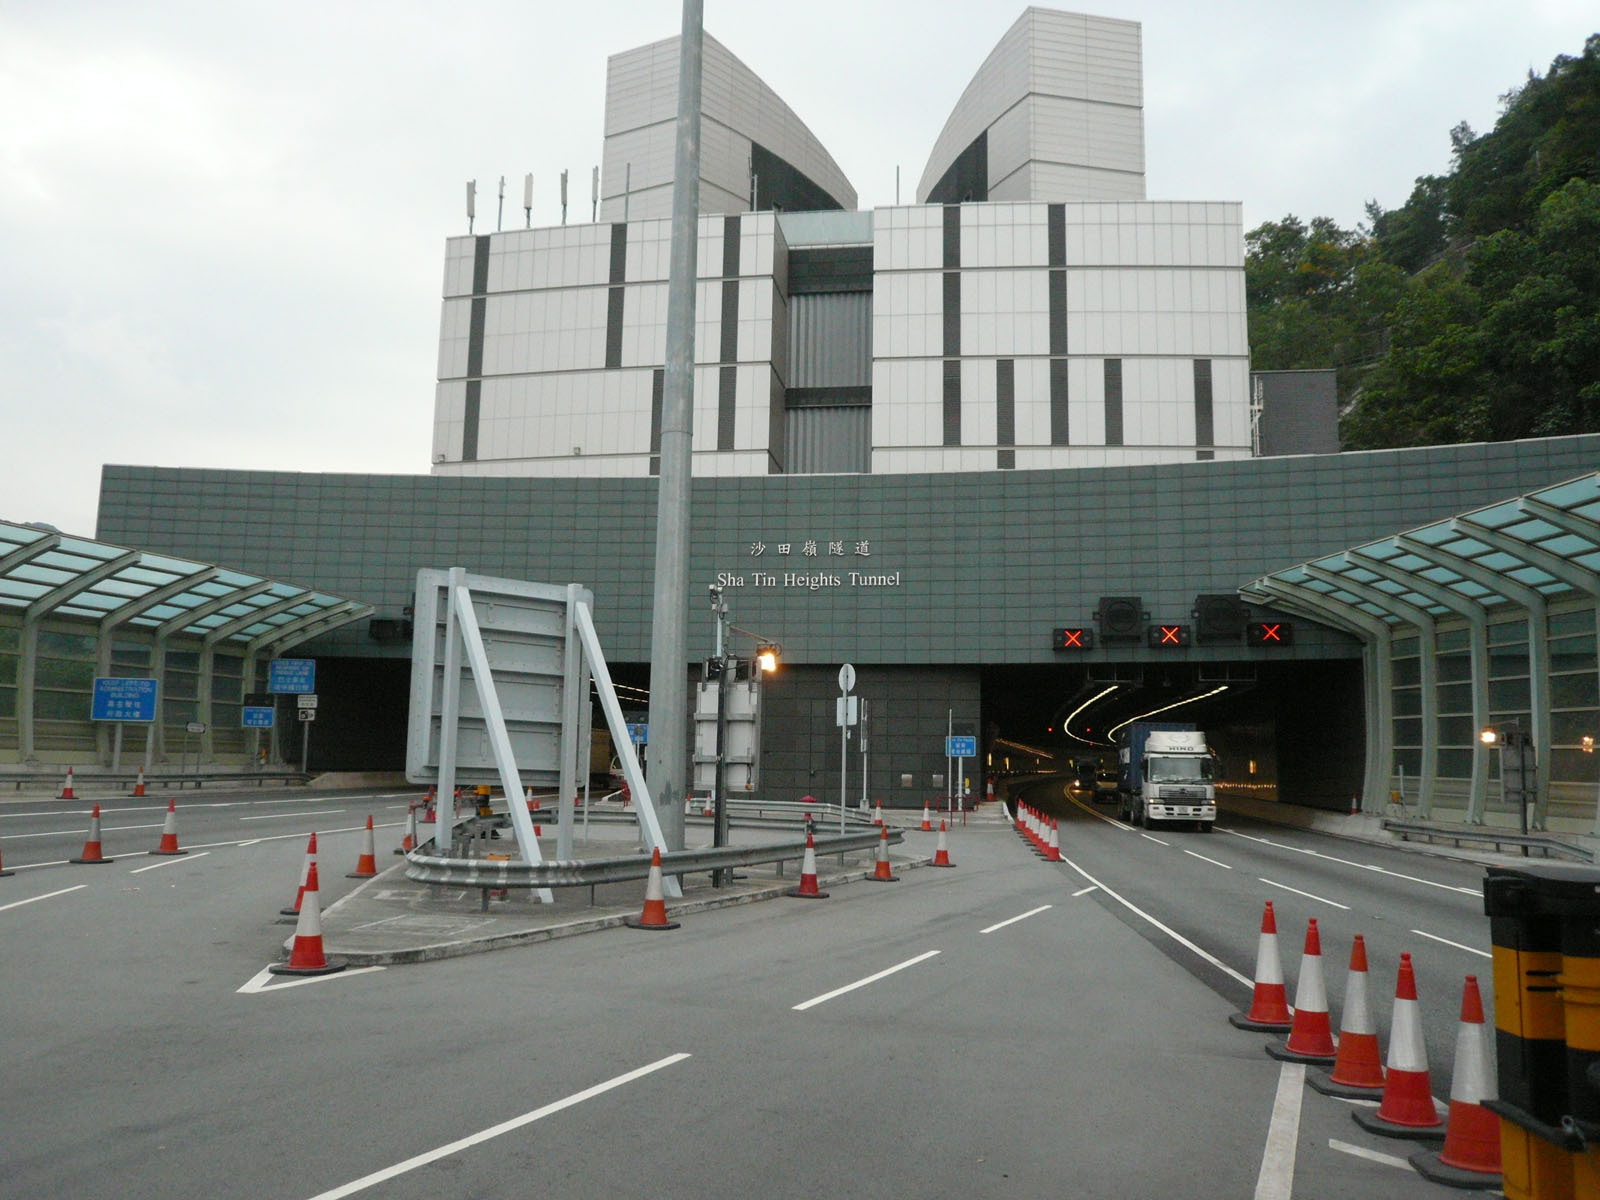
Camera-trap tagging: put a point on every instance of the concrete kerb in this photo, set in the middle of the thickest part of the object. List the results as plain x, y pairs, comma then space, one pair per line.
610, 917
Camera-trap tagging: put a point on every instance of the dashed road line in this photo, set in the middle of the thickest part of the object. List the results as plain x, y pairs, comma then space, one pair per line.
1156, 840
1449, 887
495, 1131
1275, 1180
861, 983
1457, 945
1032, 912
46, 896
321, 812
1085, 891
1212, 861
1388, 1160
168, 863
1307, 895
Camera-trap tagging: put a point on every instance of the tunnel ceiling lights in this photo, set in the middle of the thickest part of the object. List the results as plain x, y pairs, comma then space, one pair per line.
1066, 725
1166, 708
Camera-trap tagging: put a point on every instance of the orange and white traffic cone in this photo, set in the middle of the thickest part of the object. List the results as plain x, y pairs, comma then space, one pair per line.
941, 852
66, 788
877, 813
138, 787
1358, 1066
305, 874
409, 842
1053, 851
367, 861
881, 871
1310, 1034
927, 820
1407, 1110
306, 957
169, 831
1471, 1154
1269, 1003
654, 915
808, 874
91, 848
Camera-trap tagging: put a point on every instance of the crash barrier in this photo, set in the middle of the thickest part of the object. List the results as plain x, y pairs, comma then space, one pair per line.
424, 865
1546, 946
169, 780
1547, 845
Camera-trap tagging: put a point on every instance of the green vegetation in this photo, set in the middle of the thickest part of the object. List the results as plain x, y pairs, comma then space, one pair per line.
1472, 312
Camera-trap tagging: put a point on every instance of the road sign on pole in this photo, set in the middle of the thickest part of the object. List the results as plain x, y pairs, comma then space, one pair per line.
292, 675
847, 680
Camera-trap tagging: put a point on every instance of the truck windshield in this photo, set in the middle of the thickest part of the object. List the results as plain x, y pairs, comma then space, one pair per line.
1180, 770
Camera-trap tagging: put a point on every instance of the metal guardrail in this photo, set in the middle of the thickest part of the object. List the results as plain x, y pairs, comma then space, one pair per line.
1548, 843
425, 867
172, 780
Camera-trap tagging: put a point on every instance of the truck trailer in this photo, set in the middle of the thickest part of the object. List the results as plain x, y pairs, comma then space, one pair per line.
1166, 775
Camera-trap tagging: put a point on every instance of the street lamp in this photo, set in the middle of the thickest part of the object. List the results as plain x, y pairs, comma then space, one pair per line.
1518, 771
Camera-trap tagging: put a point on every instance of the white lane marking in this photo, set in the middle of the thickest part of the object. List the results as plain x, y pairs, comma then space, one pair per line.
1457, 945
276, 837
1275, 1181
265, 981
46, 896
168, 863
321, 812
861, 983
1388, 1160
1170, 932
1212, 861
1083, 891
494, 1131
1156, 840
79, 830
1307, 895
1032, 912
1099, 815
1449, 887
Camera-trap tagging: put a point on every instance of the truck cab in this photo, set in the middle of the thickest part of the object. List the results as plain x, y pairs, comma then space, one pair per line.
1167, 776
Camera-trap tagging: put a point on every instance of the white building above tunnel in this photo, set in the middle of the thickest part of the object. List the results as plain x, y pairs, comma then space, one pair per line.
1038, 314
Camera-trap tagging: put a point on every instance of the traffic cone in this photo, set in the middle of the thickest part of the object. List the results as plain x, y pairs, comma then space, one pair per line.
1471, 1154
1053, 853
927, 820
881, 872
808, 875
654, 915
367, 862
138, 787
1407, 1110
169, 831
91, 848
1310, 1035
1269, 1003
877, 813
66, 788
305, 873
306, 957
409, 842
941, 852
1358, 1066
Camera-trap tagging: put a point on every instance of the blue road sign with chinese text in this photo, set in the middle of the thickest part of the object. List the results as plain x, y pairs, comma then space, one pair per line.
123, 700
961, 747
256, 717
292, 675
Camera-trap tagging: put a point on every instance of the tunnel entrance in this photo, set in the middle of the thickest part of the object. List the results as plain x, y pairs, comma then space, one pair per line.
1289, 731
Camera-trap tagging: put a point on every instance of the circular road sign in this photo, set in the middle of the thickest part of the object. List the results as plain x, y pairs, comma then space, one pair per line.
847, 677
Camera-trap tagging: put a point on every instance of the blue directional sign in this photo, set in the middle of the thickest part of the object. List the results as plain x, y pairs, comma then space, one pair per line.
256, 717
961, 747
292, 675
638, 734
123, 700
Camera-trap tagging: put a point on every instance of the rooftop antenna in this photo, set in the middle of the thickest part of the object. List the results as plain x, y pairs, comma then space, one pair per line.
472, 202
527, 199
500, 213
563, 196
594, 195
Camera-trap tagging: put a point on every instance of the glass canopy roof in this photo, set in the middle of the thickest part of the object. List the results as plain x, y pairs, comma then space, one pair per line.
48, 574
1545, 544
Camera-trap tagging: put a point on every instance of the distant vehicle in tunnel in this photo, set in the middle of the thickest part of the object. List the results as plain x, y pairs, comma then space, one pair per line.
1166, 775
1105, 785
1083, 774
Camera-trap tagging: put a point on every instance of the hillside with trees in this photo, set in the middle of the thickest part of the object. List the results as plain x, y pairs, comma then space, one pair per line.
1470, 313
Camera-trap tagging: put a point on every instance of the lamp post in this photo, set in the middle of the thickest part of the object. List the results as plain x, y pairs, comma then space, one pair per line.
1518, 773
725, 662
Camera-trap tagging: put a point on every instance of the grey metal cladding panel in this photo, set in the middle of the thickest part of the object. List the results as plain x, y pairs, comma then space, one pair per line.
1300, 412
830, 340
1077, 533
822, 440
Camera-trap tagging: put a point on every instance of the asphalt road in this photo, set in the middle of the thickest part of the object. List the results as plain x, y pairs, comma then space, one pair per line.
1007, 1028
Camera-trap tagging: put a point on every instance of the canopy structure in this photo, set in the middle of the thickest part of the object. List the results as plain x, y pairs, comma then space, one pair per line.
111, 591
1473, 582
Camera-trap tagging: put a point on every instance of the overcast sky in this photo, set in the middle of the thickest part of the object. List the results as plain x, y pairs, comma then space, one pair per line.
222, 225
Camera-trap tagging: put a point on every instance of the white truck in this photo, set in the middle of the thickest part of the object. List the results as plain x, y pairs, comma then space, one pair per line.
1166, 775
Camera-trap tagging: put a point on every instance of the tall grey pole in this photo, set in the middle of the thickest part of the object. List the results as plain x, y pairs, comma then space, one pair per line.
669, 679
